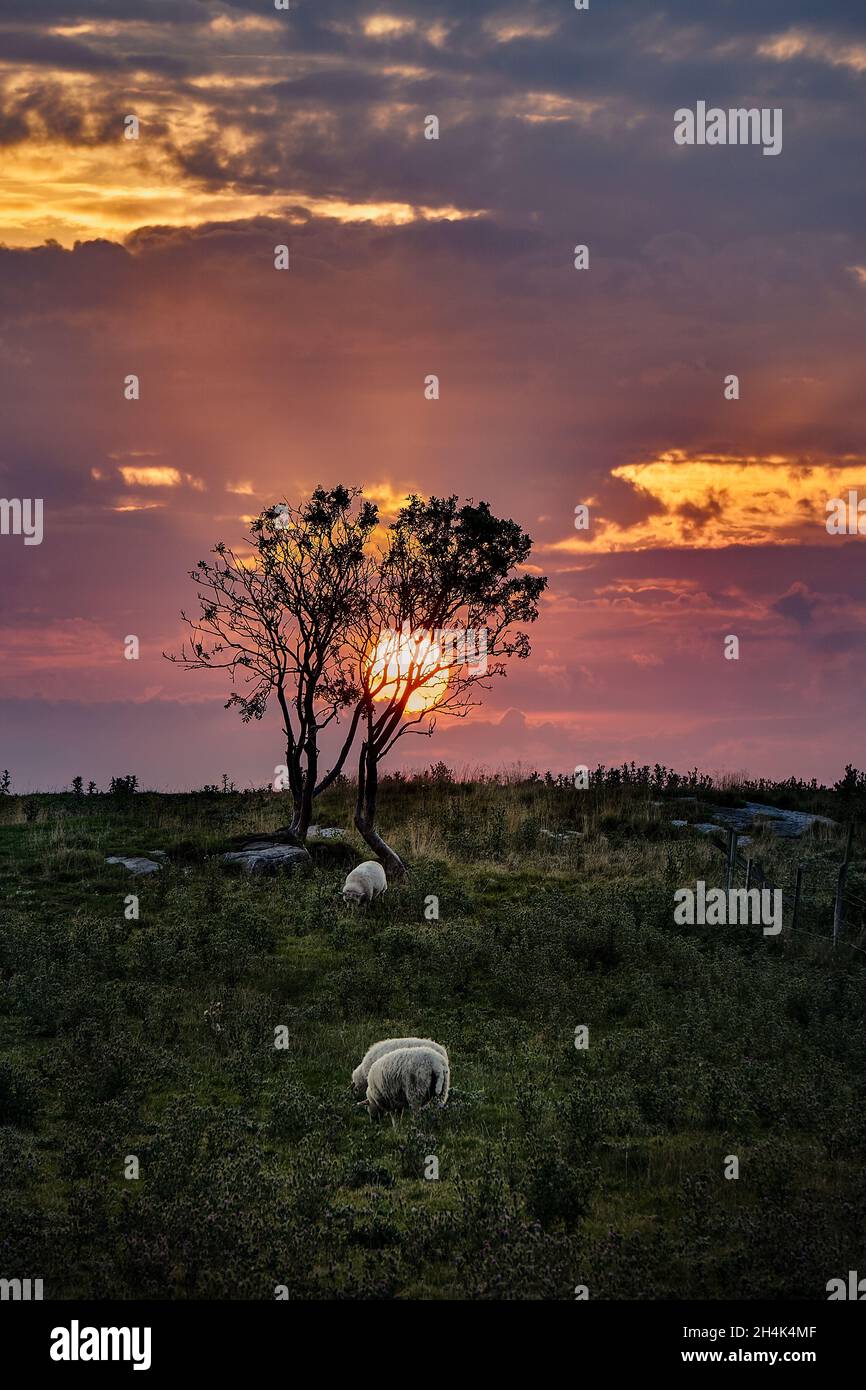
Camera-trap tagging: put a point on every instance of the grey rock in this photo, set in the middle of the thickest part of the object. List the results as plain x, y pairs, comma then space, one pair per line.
263, 840
135, 863
269, 859
786, 825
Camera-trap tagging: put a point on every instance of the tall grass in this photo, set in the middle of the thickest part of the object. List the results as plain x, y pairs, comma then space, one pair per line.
155, 1037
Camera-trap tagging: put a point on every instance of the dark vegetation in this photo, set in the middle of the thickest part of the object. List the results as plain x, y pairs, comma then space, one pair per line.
155, 1038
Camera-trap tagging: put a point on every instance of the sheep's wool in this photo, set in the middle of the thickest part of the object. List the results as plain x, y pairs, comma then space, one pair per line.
362, 1071
365, 882
408, 1078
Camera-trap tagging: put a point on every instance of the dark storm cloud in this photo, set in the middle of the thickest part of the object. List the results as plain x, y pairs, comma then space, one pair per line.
626, 504
53, 12
49, 110
698, 515
50, 50
797, 604
611, 172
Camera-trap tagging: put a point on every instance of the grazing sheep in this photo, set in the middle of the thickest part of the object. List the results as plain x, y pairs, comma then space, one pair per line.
365, 882
362, 1071
410, 1077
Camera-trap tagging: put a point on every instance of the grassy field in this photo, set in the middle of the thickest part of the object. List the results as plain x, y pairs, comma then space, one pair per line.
558, 1167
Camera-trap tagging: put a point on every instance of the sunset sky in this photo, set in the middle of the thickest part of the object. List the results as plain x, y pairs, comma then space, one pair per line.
455, 257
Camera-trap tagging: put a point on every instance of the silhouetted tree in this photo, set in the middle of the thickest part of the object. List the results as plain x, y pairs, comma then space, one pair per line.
327, 619
275, 618
444, 570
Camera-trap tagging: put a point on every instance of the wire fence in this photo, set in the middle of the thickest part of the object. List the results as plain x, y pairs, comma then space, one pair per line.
817, 891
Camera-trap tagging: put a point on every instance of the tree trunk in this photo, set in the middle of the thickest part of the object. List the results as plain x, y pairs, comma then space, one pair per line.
303, 814
395, 869
292, 831
283, 835
365, 815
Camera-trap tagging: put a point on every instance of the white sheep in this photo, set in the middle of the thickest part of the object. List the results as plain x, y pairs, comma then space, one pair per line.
410, 1077
365, 882
362, 1071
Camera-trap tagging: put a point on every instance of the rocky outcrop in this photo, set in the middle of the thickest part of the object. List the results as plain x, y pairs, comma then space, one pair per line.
135, 863
262, 856
787, 825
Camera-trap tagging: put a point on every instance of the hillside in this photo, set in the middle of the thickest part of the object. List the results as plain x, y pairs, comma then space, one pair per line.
558, 1166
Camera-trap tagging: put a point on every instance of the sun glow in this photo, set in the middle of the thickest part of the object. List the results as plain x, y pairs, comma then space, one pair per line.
402, 658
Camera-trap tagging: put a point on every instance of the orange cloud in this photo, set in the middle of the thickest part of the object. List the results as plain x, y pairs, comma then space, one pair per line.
150, 477
104, 185
158, 476
719, 500
805, 43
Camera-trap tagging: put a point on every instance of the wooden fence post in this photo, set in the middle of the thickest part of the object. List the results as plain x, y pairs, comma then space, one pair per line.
797, 886
732, 860
838, 904
748, 874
